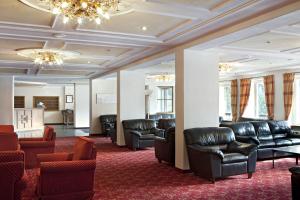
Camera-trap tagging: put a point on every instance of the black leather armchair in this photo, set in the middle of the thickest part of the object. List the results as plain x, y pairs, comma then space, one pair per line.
295, 179
165, 147
109, 126
214, 153
165, 124
140, 133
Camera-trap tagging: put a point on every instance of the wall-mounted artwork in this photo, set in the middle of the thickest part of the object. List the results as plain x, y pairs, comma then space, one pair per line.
69, 98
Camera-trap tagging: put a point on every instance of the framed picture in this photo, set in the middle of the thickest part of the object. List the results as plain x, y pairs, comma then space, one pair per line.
69, 98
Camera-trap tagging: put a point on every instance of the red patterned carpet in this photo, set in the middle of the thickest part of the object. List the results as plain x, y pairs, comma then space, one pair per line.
126, 175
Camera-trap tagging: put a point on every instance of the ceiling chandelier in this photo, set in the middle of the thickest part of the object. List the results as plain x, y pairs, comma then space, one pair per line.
224, 67
83, 10
164, 78
47, 57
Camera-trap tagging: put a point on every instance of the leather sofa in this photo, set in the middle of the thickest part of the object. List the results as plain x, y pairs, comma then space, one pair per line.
140, 133
165, 147
214, 153
68, 175
34, 146
158, 116
109, 126
165, 124
266, 134
12, 172
295, 180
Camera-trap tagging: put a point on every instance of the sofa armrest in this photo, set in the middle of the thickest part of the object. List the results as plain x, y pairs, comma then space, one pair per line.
295, 170
30, 139
11, 156
54, 157
160, 140
135, 133
37, 144
243, 148
247, 139
205, 150
294, 134
68, 166
158, 132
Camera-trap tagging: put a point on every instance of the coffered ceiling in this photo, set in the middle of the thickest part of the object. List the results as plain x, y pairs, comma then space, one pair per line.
121, 40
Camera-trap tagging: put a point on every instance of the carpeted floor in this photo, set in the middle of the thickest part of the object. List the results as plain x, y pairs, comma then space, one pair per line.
124, 175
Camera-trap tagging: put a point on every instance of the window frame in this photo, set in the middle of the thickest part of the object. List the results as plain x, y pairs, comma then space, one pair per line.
225, 115
164, 100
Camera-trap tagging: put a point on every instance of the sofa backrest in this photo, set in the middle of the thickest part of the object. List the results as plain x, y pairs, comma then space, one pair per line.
262, 130
210, 136
83, 149
279, 129
9, 142
49, 134
166, 123
108, 118
240, 128
139, 124
6, 128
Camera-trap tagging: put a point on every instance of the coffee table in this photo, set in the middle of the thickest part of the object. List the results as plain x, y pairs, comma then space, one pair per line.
295, 150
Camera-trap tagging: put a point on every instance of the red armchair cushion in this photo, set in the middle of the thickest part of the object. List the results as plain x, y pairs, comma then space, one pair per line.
83, 149
9, 142
48, 134
6, 128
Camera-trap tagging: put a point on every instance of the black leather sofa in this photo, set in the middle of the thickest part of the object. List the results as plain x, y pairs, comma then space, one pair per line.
214, 153
140, 133
165, 147
165, 124
266, 134
295, 179
158, 116
109, 126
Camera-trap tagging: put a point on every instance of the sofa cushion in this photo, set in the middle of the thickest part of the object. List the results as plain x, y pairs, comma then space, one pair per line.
267, 144
234, 157
241, 128
279, 129
262, 130
9, 142
282, 142
295, 141
83, 149
148, 137
139, 124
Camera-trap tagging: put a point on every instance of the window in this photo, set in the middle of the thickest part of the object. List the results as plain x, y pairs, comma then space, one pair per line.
19, 102
165, 99
256, 107
294, 117
225, 100
50, 103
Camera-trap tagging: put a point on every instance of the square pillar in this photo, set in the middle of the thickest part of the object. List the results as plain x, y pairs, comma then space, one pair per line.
7, 100
130, 99
197, 96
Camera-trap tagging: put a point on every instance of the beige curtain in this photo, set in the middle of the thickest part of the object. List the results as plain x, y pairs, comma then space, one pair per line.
269, 95
234, 93
288, 83
245, 85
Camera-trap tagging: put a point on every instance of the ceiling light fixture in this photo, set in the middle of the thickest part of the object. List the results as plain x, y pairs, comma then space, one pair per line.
47, 57
83, 10
224, 67
144, 28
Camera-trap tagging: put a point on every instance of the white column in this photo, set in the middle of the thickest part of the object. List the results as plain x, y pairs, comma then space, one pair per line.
278, 96
7, 100
197, 96
130, 99
82, 106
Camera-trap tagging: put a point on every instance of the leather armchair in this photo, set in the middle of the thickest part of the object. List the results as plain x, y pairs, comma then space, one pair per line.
140, 133
165, 147
295, 179
68, 175
12, 180
214, 153
109, 126
244, 132
165, 124
34, 146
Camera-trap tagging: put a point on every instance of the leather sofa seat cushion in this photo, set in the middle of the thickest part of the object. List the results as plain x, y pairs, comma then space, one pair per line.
148, 137
83, 149
48, 134
267, 144
283, 142
262, 130
8, 142
234, 157
295, 141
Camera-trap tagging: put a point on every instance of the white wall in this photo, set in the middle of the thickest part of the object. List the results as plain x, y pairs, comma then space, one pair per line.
106, 92
82, 106
7, 100
50, 90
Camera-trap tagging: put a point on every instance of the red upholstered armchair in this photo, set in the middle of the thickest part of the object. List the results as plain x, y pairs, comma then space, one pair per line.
68, 176
6, 129
34, 146
12, 180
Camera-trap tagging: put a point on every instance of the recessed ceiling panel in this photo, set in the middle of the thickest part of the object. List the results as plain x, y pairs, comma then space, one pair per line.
13, 57
64, 72
11, 44
17, 12
269, 41
198, 3
133, 22
12, 71
86, 61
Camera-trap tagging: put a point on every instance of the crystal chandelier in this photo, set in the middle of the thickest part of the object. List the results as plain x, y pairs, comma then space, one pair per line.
164, 78
81, 10
48, 58
224, 67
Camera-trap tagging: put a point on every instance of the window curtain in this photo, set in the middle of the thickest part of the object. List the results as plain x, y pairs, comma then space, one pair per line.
234, 93
288, 83
269, 95
245, 85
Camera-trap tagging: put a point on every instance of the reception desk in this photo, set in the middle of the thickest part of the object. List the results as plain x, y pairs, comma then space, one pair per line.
29, 122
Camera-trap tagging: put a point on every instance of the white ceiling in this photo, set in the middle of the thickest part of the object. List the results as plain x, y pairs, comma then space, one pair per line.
121, 40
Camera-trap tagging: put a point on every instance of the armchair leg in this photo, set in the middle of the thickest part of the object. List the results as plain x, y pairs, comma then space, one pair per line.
249, 175
213, 180
159, 160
